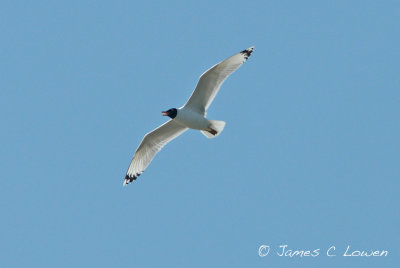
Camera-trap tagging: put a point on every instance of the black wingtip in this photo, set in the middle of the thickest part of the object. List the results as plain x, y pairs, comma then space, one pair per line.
130, 178
247, 52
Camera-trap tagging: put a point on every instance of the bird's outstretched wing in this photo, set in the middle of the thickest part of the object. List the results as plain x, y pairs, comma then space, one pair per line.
151, 144
211, 80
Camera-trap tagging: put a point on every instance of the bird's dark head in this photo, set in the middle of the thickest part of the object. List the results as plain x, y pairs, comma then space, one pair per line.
171, 113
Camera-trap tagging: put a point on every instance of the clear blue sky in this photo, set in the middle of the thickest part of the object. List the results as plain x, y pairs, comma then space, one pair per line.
309, 156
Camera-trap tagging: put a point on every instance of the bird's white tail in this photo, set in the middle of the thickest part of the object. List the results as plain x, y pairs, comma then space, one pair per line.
215, 129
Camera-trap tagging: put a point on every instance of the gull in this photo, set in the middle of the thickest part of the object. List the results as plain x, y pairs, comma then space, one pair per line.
191, 115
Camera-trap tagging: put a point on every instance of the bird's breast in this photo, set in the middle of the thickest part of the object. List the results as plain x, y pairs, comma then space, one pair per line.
191, 119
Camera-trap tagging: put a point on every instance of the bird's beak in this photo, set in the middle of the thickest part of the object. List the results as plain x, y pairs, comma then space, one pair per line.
164, 113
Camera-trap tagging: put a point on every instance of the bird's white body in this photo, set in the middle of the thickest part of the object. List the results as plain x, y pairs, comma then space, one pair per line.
191, 119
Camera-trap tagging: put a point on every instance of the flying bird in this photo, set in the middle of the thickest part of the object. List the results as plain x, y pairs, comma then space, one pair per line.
191, 115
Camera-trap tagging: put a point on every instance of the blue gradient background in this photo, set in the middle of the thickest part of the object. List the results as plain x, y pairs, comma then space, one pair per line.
309, 156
